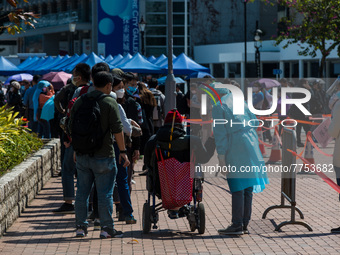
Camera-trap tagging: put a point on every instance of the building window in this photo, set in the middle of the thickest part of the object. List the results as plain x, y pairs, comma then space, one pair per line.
54, 7
44, 9
63, 5
156, 18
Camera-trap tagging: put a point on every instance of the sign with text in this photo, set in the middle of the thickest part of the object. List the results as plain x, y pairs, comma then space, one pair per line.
118, 26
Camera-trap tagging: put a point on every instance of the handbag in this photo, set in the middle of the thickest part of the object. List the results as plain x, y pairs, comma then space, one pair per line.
175, 180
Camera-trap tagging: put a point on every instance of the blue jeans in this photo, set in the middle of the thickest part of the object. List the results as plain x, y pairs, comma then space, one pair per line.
123, 186
103, 172
241, 203
68, 171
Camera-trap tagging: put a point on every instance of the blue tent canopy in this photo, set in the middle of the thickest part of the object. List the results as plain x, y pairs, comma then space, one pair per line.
159, 59
7, 67
65, 62
116, 59
164, 62
32, 68
27, 62
47, 66
151, 59
125, 59
139, 64
183, 65
91, 60
162, 80
108, 58
35, 63
70, 66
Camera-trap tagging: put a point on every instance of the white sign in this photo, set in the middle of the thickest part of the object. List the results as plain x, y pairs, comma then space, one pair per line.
101, 49
321, 133
87, 46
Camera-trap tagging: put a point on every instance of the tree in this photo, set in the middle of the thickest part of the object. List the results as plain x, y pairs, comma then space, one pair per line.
16, 18
313, 22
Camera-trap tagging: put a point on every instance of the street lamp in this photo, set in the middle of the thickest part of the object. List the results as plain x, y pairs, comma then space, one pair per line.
141, 26
258, 45
72, 28
245, 36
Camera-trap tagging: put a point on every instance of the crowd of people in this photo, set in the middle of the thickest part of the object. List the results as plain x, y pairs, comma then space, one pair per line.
107, 119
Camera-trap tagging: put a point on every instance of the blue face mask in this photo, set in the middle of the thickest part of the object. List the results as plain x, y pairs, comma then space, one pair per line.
269, 90
23, 88
131, 90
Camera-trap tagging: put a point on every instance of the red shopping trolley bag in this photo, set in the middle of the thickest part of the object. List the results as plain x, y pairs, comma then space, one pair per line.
175, 180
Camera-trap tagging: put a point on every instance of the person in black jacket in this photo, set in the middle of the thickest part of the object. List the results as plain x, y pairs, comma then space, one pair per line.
182, 146
14, 97
296, 114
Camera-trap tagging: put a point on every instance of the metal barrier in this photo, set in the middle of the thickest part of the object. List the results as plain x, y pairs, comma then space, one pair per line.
288, 181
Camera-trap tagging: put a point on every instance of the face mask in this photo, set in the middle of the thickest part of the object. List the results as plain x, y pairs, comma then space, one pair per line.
131, 90
23, 88
73, 80
270, 90
120, 93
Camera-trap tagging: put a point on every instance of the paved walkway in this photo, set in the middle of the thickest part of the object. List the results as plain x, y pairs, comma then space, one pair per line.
38, 231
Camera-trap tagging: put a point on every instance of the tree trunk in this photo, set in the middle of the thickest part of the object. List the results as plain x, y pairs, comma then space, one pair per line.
321, 67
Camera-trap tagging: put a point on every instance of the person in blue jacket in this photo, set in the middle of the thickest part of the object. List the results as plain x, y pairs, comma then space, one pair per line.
237, 145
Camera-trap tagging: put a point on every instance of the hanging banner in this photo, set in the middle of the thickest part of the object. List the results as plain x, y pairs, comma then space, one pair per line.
118, 26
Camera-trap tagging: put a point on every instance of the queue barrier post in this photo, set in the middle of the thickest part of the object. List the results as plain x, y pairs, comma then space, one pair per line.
288, 182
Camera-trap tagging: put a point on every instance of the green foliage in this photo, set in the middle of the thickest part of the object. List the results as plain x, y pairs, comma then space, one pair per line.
314, 22
16, 143
17, 18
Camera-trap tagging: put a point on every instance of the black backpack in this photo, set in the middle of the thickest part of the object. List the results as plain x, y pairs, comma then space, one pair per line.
86, 131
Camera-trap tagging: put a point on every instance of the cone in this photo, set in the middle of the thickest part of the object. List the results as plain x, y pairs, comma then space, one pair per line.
260, 135
309, 155
275, 154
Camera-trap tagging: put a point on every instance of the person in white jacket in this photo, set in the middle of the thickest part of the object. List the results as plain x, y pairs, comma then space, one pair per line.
334, 131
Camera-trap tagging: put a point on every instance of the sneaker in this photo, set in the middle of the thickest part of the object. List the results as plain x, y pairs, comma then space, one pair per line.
335, 230
96, 225
110, 233
65, 209
245, 230
81, 231
130, 220
231, 230
173, 214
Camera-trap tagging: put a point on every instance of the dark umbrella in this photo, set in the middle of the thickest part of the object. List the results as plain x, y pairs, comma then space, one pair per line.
58, 79
266, 83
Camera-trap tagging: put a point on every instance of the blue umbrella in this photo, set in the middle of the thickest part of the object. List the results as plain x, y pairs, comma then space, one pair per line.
162, 80
139, 64
198, 75
19, 77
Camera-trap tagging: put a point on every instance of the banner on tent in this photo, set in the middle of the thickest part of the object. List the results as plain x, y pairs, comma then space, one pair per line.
118, 26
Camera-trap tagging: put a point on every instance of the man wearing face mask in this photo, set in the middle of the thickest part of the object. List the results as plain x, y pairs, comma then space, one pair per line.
81, 75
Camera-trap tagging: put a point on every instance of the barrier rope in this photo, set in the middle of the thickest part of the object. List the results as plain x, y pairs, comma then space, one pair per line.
320, 174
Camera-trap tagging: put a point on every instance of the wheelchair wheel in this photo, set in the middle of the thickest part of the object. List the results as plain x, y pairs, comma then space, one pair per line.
201, 218
146, 218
